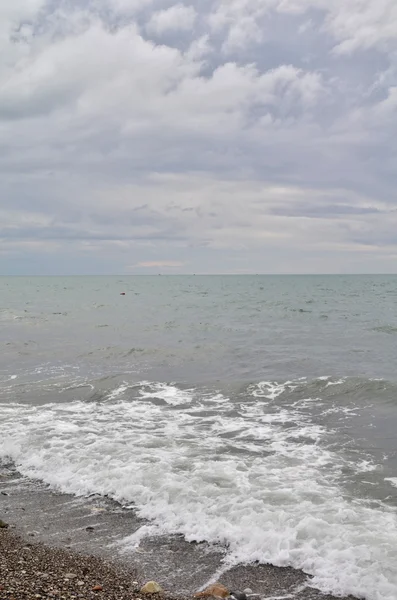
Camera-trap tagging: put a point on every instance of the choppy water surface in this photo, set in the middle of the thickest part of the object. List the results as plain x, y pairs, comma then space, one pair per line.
259, 413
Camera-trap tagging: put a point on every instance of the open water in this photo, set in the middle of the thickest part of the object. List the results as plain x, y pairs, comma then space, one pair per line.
258, 413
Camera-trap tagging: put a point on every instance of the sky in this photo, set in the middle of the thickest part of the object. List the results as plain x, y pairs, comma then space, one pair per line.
201, 136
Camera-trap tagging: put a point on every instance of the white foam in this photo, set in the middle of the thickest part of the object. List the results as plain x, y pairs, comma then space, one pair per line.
338, 382
392, 480
169, 393
133, 541
253, 474
366, 465
272, 390
119, 391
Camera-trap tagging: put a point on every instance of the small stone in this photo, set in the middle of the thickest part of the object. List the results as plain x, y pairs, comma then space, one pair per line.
3, 525
248, 591
217, 590
97, 588
89, 528
151, 587
70, 576
80, 583
4, 494
238, 595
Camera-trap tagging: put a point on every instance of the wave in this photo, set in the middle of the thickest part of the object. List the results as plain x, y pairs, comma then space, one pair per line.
253, 472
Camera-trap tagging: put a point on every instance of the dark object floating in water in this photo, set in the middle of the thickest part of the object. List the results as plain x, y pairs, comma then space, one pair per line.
122, 293
89, 528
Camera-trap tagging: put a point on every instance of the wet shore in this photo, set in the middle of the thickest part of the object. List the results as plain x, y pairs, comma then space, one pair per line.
100, 543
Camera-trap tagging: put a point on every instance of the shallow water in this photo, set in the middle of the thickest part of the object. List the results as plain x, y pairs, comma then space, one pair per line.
256, 413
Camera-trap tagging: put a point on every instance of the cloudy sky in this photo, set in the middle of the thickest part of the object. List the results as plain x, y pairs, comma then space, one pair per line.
205, 136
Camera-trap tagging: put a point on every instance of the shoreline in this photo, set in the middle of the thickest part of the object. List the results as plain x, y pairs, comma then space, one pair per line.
63, 533
34, 571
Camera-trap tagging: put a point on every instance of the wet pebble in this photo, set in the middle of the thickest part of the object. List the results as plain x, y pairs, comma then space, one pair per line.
238, 595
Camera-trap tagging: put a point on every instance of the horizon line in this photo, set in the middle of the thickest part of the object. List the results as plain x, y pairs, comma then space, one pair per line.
220, 274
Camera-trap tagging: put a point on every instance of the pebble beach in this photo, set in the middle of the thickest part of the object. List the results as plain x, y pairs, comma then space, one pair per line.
34, 571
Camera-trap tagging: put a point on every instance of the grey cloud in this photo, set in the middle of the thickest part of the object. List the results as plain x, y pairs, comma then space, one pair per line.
323, 211
278, 113
57, 233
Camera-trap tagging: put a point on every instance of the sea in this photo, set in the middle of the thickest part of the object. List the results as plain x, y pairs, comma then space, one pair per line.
253, 413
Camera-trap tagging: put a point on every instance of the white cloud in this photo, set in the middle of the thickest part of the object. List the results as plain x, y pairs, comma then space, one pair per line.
13, 13
176, 18
355, 25
363, 24
129, 7
91, 71
241, 19
114, 144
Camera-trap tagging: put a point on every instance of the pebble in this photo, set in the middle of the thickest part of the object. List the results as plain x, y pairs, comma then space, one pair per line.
54, 573
238, 595
3, 525
217, 590
151, 587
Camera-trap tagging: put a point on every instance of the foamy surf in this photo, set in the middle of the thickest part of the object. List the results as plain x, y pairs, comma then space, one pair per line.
256, 475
